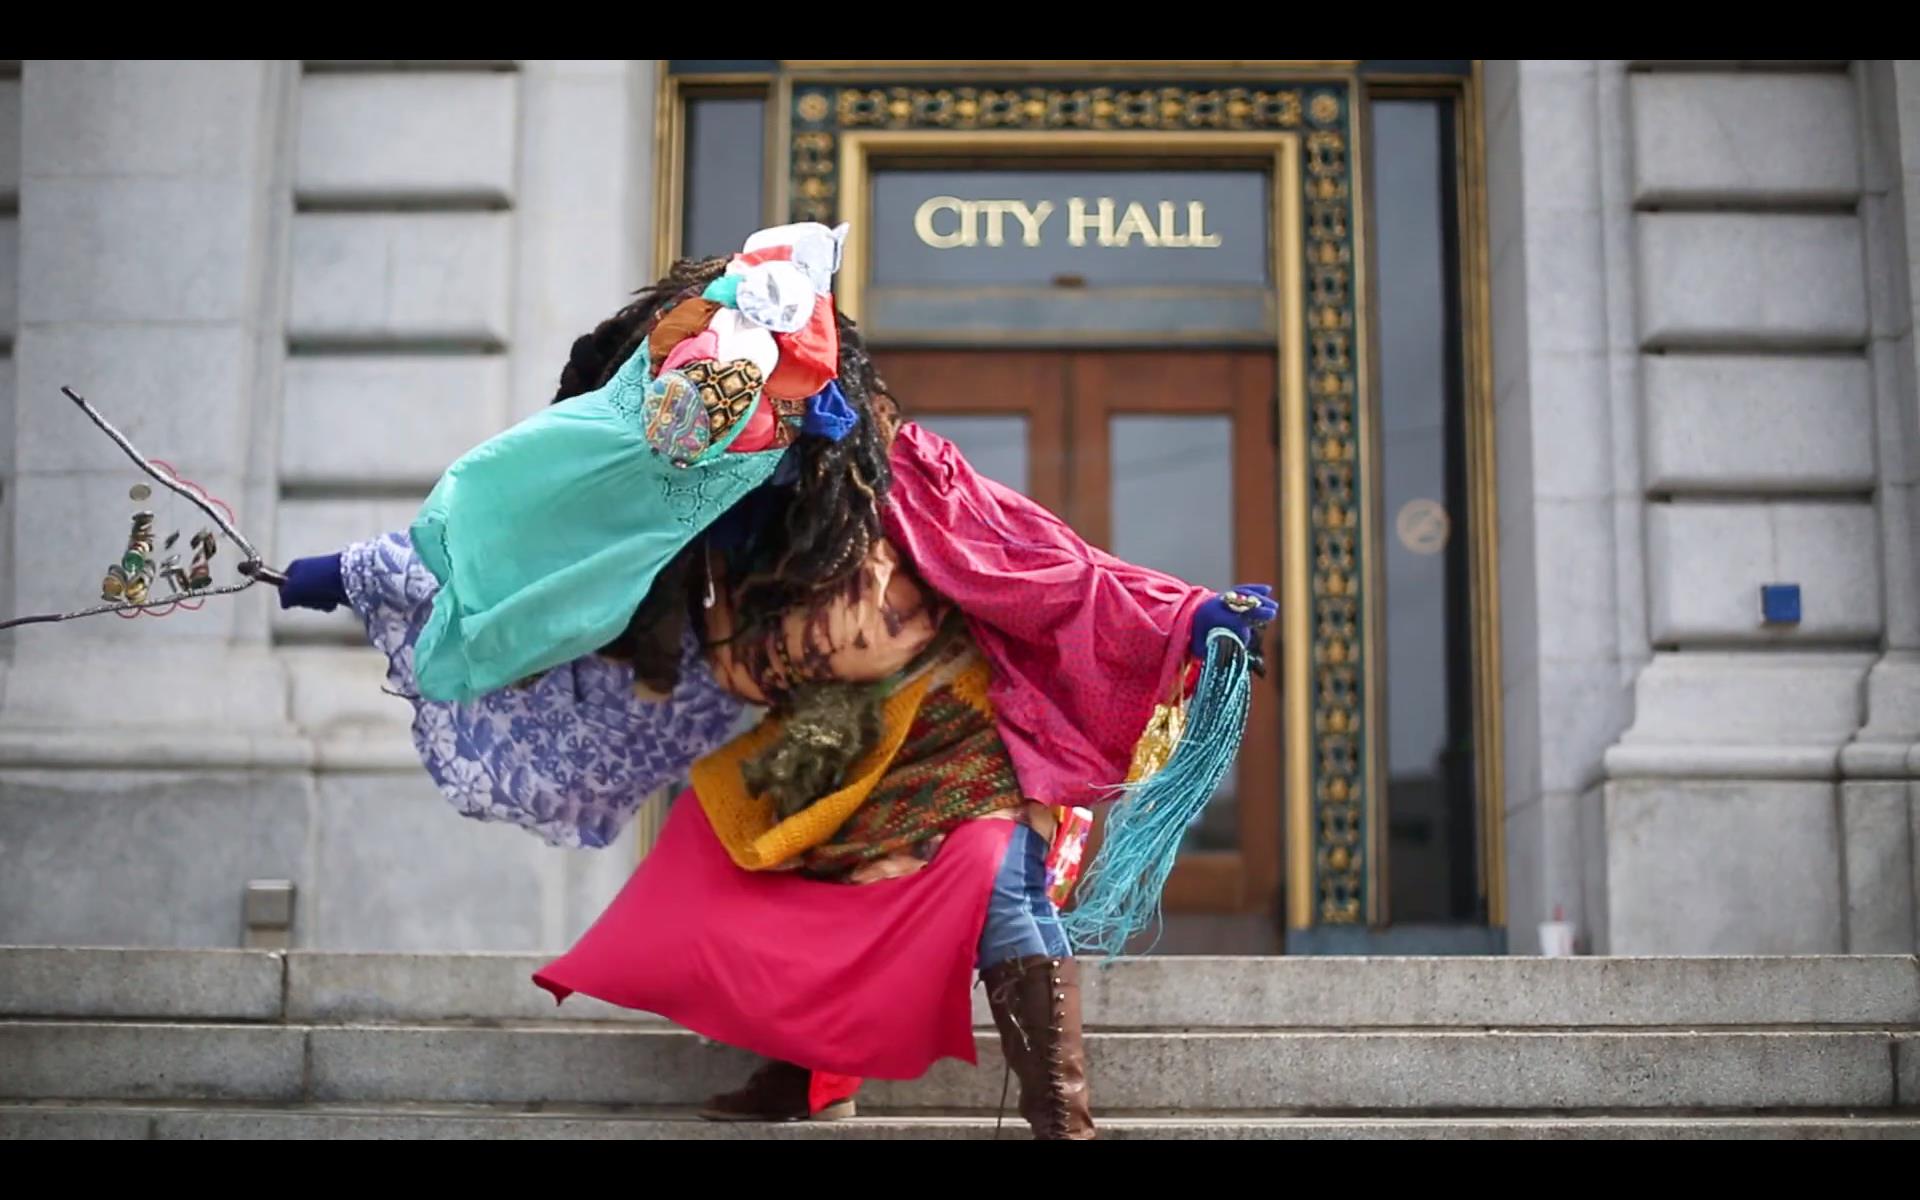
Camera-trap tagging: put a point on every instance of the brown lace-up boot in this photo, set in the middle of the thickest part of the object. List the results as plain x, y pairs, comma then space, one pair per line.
1036, 1007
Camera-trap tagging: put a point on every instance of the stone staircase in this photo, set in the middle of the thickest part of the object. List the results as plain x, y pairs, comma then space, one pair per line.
252, 1044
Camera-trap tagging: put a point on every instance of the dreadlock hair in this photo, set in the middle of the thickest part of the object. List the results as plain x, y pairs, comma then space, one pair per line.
833, 519
828, 517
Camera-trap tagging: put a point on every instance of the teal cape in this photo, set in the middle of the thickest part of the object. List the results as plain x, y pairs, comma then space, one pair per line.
546, 538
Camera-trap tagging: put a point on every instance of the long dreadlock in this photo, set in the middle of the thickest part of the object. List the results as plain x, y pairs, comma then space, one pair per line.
819, 528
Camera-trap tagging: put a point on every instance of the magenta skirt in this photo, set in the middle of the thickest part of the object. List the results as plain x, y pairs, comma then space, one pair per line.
869, 980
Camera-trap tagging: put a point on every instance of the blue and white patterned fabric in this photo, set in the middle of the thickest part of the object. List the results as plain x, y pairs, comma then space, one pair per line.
569, 757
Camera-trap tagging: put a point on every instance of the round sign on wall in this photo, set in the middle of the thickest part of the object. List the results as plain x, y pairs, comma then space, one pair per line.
1423, 526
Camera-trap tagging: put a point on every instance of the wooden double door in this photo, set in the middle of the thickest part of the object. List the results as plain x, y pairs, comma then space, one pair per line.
1169, 459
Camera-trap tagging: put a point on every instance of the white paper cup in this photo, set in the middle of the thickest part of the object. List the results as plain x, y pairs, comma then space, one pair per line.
1556, 939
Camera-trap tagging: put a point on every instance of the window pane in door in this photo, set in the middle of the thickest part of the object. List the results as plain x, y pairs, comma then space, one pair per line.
1431, 831
1172, 510
724, 172
996, 444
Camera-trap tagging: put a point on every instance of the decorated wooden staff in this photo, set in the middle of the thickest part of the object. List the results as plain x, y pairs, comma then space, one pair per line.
128, 585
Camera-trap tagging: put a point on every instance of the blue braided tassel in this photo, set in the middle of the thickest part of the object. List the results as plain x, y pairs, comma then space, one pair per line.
1120, 893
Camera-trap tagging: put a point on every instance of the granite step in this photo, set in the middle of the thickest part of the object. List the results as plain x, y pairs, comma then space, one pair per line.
1133, 994
1274, 1072
423, 1123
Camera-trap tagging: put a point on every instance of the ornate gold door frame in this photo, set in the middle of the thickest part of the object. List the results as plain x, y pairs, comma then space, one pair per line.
1217, 880
1306, 127
825, 119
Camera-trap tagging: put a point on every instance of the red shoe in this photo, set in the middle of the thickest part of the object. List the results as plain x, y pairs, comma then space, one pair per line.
781, 1091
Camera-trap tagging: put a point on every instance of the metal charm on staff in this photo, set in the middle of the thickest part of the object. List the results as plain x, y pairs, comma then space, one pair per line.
127, 587
131, 577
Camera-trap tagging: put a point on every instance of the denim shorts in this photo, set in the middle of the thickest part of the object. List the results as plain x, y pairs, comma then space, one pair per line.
1021, 919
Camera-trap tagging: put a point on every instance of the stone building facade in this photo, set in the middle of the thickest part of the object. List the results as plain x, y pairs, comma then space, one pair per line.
1675, 317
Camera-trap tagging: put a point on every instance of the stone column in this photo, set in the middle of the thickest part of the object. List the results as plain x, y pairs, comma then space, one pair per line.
1725, 831
458, 225
1696, 392
1880, 768
582, 241
147, 767
1567, 465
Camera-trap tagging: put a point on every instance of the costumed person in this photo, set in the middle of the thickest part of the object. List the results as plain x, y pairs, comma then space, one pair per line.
721, 518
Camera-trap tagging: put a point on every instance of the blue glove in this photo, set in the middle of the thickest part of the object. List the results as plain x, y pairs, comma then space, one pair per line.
1215, 614
314, 583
